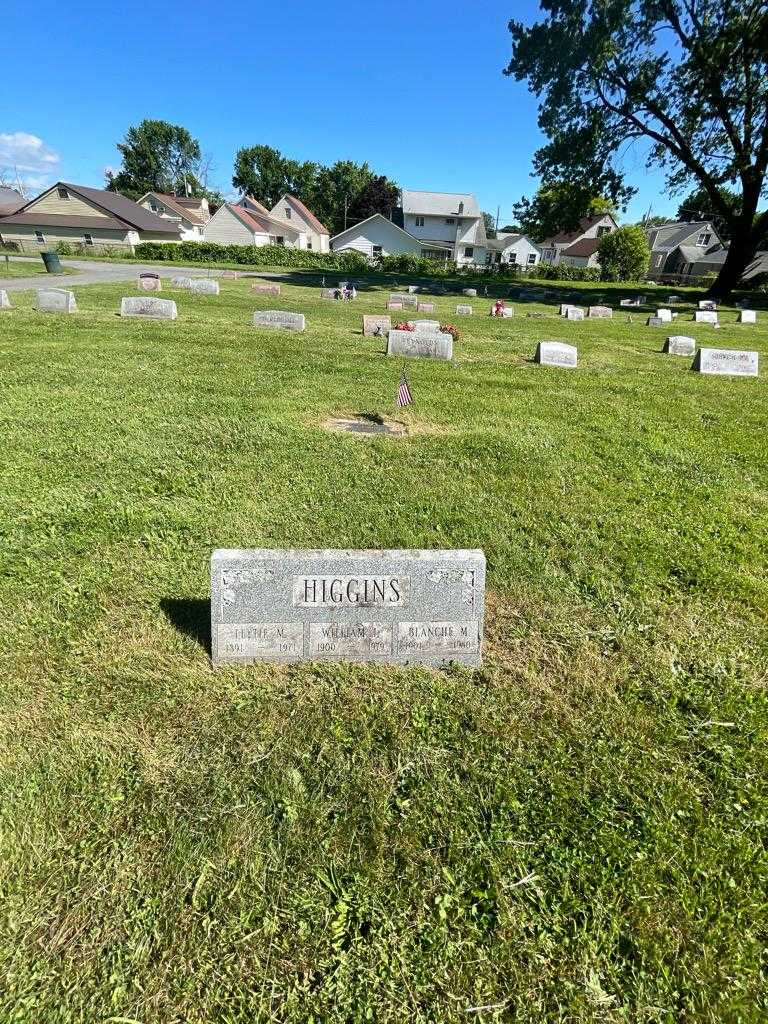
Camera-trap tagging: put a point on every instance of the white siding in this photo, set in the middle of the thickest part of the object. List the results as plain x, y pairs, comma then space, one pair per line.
377, 231
24, 236
227, 229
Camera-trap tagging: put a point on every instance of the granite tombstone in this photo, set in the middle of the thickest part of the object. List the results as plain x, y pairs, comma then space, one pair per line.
279, 319
150, 283
556, 353
204, 286
420, 344
680, 345
401, 607
56, 300
376, 325
264, 288
5, 302
600, 313
463, 311
747, 316
726, 362
705, 316
148, 307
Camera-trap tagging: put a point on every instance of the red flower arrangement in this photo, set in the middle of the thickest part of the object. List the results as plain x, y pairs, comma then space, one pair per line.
404, 326
450, 329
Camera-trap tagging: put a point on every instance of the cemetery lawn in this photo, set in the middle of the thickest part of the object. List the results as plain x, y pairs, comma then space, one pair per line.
28, 268
574, 832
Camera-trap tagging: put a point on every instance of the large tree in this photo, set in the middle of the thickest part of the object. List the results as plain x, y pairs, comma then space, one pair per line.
158, 157
698, 206
557, 207
687, 77
264, 173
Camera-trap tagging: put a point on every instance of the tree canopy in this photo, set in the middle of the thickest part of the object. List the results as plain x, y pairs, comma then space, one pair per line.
160, 157
689, 78
624, 255
557, 207
344, 191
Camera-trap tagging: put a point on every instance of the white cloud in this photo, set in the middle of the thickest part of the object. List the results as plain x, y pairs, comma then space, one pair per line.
26, 157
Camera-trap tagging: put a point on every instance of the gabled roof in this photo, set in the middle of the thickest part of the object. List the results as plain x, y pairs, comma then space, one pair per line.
440, 204
8, 208
10, 196
669, 236
696, 254
128, 213
255, 204
758, 266
252, 220
504, 241
379, 216
566, 237
175, 205
306, 213
584, 247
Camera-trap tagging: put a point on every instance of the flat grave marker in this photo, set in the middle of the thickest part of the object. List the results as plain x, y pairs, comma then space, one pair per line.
149, 307
680, 345
556, 353
420, 344
374, 326
399, 607
56, 300
726, 362
263, 288
279, 319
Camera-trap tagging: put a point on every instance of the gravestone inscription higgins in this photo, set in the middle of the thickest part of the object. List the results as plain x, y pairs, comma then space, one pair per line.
420, 344
279, 318
149, 307
56, 300
726, 362
423, 607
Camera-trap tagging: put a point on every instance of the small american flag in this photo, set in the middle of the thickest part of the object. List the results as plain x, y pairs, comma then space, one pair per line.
404, 396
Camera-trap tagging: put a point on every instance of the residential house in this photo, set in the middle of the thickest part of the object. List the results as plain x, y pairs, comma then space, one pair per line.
445, 221
685, 249
514, 249
90, 219
190, 214
291, 209
10, 200
578, 248
250, 223
376, 236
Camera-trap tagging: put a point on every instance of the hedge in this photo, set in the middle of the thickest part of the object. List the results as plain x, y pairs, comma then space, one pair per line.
250, 255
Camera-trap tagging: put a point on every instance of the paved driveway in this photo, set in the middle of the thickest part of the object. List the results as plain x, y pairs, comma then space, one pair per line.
91, 272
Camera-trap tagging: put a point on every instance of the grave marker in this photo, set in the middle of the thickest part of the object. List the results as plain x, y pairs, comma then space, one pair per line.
680, 345
154, 309
556, 353
401, 607
471, 293
265, 289
181, 282
463, 311
600, 313
420, 344
573, 313
376, 325
56, 300
204, 286
655, 321
328, 293
425, 307
705, 316
747, 316
150, 283
5, 302
394, 305
726, 362
279, 319
665, 315
425, 326
708, 304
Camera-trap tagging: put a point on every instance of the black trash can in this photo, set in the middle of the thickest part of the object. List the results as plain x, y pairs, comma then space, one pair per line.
52, 262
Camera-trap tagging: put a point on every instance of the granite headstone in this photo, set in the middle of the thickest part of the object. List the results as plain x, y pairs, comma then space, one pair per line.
726, 362
376, 325
556, 353
420, 344
56, 300
148, 307
280, 319
680, 345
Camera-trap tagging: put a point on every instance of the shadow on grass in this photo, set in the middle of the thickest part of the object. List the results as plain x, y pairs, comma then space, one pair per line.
191, 616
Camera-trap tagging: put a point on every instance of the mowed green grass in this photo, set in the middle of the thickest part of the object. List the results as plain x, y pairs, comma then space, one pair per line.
28, 268
575, 832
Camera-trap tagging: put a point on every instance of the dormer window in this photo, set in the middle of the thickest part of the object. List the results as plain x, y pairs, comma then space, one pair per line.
63, 193
287, 213
153, 205
704, 238
603, 230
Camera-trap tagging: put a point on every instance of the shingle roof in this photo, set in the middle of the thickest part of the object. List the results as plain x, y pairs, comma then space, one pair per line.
308, 216
57, 220
695, 254
123, 209
250, 218
564, 237
255, 204
175, 204
440, 204
584, 247
758, 266
7, 208
669, 236
9, 196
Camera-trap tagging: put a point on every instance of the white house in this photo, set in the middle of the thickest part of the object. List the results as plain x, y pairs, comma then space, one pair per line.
235, 224
440, 219
191, 215
515, 249
376, 236
289, 208
578, 248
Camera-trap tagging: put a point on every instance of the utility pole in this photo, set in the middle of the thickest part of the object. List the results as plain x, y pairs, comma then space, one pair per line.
498, 216
346, 204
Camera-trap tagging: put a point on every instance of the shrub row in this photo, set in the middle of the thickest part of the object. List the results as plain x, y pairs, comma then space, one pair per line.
250, 255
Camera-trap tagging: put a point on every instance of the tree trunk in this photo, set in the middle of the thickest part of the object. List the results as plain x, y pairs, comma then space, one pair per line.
741, 252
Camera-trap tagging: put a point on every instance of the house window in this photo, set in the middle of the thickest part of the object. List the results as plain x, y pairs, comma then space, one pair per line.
704, 238
419, 222
604, 230
469, 251
280, 240
40, 238
377, 250
309, 243
531, 259
287, 213
88, 239
449, 220
153, 205
63, 194
513, 257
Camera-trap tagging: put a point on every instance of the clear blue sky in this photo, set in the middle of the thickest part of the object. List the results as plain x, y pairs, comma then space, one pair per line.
415, 88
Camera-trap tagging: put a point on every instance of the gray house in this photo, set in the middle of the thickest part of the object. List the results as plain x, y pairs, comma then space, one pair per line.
685, 249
